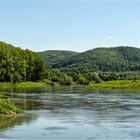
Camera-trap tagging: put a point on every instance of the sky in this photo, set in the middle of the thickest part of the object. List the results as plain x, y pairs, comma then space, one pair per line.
76, 25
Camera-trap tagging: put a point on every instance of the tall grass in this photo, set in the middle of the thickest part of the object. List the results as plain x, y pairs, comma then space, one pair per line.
116, 84
22, 85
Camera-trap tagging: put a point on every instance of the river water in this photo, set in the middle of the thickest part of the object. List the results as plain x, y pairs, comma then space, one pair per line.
74, 113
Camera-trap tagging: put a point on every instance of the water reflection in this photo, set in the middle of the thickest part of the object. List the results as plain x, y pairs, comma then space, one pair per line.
7, 122
104, 103
74, 113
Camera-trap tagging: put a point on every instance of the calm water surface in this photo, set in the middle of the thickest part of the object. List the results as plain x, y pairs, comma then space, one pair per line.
73, 113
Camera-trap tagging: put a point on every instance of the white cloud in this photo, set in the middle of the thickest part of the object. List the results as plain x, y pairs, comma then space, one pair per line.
111, 37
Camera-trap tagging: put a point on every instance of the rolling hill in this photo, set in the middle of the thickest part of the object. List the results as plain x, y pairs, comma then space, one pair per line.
53, 57
122, 58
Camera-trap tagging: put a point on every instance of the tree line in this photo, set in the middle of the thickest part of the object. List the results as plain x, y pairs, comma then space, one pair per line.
17, 65
117, 59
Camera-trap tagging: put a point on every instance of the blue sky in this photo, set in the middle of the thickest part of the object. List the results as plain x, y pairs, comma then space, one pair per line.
76, 25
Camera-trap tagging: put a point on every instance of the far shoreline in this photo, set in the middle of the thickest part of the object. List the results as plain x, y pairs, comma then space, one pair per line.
117, 84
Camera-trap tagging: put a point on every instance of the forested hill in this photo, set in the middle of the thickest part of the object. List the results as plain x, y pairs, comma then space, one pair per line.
121, 58
53, 57
17, 65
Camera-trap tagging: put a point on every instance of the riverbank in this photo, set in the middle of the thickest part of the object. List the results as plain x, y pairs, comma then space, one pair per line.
103, 84
22, 85
7, 108
115, 84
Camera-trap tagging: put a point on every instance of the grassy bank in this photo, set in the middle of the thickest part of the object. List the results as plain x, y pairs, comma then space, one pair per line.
22, 85
103, 84
6, 107
115, 84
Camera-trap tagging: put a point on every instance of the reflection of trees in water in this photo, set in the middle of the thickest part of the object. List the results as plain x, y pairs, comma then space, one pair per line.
31, 104
7, 121
103, 103
94, 102
24, 90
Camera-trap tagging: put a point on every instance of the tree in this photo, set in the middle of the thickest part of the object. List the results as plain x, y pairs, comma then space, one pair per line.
18, 65
66, 80
97, 78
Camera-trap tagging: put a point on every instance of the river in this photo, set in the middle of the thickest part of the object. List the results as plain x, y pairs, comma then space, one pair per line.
74, 113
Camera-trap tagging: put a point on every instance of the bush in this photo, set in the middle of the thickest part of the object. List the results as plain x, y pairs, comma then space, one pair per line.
97, 78
82, 80
6, 106
55, 79
66, 80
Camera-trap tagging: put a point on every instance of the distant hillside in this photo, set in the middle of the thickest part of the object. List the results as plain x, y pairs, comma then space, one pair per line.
53, 57
121, 58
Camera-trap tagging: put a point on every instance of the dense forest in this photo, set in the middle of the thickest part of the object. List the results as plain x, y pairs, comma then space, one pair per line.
115, 59
18, 65
53, 57
67, 67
